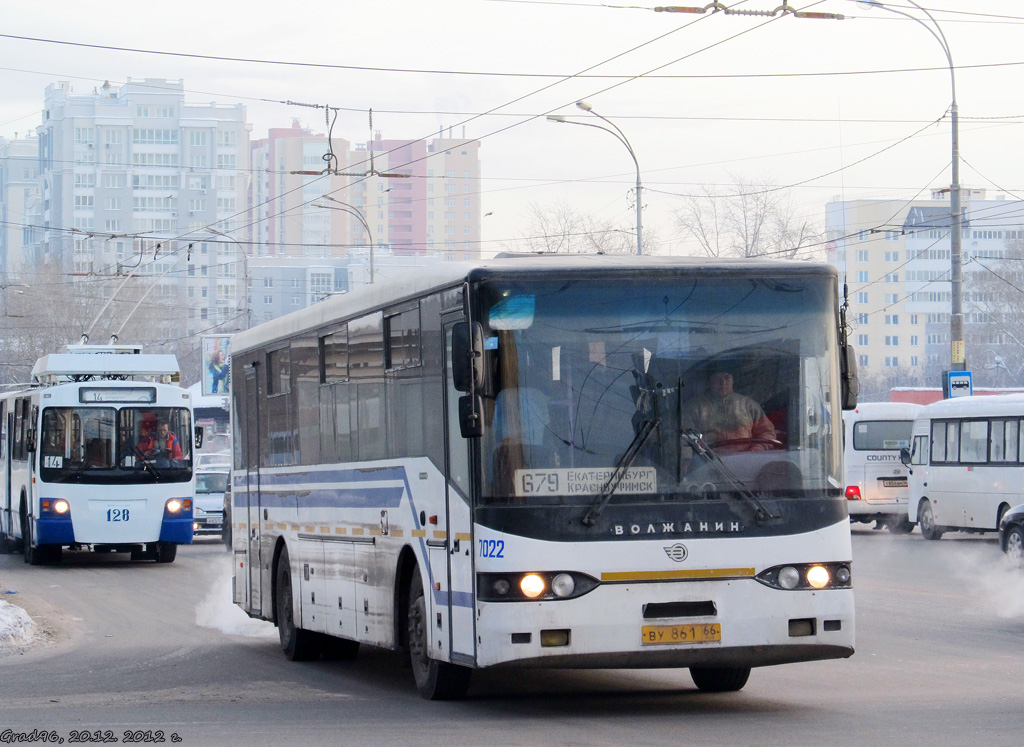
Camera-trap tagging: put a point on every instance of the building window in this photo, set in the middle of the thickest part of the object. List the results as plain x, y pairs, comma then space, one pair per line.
862, 340
862, 297
862, 276
892, 362
892, 341
863, 235
862, 361
892, 319
862, 255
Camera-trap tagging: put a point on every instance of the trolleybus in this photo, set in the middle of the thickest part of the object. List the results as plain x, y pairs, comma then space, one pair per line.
84, 462
491, 465
965, 463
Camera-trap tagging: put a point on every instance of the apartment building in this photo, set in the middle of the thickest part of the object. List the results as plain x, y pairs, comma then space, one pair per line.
894, 257
401, 197
135, 180
19, 195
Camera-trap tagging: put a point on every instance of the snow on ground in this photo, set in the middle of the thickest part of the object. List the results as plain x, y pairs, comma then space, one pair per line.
16, 628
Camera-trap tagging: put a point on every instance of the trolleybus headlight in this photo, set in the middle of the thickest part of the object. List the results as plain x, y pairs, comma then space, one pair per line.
563, 585
501, 587
173, 506
532, 585
789, 577
842, 575
61, 506
818, 576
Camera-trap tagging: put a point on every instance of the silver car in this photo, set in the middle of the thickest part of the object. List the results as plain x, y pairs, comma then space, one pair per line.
208, 507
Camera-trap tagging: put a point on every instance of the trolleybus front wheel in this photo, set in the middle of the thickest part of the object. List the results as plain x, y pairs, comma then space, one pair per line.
436, 680
719, 679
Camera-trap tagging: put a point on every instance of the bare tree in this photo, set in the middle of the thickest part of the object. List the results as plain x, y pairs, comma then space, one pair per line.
746, 219
994, 295
46, 310
562, 228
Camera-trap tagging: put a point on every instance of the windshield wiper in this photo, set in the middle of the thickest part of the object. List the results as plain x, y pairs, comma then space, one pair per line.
701, 448
643, 433
147, 465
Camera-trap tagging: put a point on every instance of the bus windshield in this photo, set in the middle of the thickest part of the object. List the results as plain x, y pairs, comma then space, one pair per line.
107, 445
640, 390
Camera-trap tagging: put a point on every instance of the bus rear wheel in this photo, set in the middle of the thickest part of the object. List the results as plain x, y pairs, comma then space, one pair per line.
163, 552
297, 644
926, 519
436, 680
719, 679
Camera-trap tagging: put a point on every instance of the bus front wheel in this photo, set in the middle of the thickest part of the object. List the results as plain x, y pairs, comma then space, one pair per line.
719, 679
297, 644
436, 680
926, 519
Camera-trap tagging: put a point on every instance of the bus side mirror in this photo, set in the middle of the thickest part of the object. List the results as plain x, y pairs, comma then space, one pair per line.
467, 356
471, 422
849, 382
905, 456
199, 436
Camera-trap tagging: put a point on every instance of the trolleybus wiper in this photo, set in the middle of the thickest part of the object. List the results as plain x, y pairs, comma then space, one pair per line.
643, 433
701, 448
147, 465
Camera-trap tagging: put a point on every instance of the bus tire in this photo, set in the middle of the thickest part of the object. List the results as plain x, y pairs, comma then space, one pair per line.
297, 644
926, 519
33, 555
6, 544
436, 680
719, 679
164, 552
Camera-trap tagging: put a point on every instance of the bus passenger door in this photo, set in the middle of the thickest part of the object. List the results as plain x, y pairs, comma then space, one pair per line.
251, 513
461, 609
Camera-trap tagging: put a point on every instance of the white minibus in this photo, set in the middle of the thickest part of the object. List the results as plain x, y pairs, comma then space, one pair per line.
965, 463
876, 480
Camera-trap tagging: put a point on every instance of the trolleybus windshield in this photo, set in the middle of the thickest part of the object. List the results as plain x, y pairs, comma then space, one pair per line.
107, 445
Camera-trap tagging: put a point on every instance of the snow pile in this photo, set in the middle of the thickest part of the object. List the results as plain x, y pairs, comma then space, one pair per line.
16, 627
217, 611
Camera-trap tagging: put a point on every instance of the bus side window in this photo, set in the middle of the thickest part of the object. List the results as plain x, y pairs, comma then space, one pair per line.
920, 453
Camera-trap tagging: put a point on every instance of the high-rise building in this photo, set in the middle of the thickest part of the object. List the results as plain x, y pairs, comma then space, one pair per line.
135, 180
19, 196
894, 257
402, 197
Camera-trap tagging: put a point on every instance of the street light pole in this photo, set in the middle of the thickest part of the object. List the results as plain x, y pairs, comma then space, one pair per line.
621, 137
357, 213
956, 317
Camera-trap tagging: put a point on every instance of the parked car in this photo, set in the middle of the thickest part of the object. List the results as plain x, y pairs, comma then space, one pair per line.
208, 506
1011, 534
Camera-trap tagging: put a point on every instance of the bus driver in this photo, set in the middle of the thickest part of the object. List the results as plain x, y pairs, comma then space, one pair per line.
724, 416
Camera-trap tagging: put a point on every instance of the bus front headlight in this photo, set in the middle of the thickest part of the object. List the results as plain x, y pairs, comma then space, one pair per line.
532, 585
818, 576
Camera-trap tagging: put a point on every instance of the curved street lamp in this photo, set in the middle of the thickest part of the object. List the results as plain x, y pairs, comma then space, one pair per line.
358, 215
956, 317
621, 137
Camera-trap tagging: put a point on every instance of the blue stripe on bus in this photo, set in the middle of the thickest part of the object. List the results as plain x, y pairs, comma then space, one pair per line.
367, 474
459, 598
360, 497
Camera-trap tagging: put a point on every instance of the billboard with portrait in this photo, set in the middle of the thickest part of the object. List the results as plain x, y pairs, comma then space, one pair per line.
216, 364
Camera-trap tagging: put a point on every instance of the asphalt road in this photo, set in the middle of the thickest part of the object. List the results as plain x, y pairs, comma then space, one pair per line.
158, 650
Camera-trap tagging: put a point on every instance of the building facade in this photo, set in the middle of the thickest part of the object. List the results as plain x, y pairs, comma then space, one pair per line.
135, 181
402, 197
19, 198
894, 258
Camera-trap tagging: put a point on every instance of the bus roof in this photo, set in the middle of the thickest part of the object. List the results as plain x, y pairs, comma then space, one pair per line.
450, 274
997, 404
57, 366
883, 411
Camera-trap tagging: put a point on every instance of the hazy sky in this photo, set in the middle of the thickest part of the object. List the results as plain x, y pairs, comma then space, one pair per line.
835, 108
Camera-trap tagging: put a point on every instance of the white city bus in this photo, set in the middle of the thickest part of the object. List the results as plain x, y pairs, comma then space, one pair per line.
77, 471
876, 479
487, 465
965, 463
